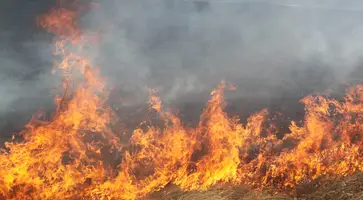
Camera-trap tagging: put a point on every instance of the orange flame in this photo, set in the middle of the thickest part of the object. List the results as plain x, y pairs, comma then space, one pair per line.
68, 156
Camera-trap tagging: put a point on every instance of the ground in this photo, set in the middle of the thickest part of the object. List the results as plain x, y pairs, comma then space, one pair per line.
348, 188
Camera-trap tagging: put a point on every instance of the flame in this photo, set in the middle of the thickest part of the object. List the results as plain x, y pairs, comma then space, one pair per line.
68, 157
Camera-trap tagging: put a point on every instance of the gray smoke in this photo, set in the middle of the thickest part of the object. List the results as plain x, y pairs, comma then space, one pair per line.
25, 63
184, 48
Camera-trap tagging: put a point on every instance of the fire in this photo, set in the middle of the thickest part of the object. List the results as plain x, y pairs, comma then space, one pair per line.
65, 157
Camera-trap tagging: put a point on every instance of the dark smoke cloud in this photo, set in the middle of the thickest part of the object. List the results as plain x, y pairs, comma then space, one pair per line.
184, 48
25, 61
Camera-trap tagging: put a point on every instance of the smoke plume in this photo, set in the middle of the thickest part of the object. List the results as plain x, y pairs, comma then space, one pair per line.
263, 47
184, 48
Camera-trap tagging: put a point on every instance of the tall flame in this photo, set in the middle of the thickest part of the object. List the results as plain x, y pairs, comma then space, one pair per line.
65, 157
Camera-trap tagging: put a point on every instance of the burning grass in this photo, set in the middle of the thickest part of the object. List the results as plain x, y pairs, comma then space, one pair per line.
73, 155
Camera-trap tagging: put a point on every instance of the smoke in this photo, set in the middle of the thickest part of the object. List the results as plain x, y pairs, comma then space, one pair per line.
25, 63
184, 48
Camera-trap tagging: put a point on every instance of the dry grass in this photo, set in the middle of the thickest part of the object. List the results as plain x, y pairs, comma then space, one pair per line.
240, 193
349, 188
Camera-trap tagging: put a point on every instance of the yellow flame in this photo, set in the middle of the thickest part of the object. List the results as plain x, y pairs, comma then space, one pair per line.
65, 158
